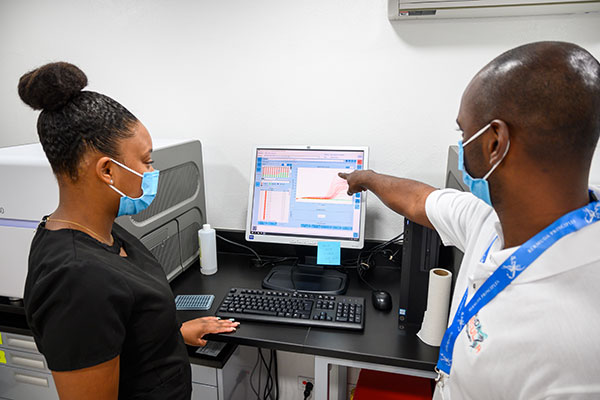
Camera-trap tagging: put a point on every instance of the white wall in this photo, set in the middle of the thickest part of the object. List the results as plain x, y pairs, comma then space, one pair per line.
236, 73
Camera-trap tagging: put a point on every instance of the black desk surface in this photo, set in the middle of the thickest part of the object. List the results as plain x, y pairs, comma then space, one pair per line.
381, 342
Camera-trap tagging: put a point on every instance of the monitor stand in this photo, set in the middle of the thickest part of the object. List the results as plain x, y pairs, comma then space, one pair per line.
306, 278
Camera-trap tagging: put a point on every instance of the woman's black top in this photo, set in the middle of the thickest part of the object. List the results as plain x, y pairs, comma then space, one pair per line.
86, 304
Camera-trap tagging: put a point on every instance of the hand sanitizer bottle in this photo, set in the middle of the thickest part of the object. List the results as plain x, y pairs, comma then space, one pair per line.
208, 250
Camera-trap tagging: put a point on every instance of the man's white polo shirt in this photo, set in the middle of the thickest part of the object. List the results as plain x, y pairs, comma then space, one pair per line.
540, 337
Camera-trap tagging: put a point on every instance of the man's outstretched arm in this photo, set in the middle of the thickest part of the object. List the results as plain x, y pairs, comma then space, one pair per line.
404, 196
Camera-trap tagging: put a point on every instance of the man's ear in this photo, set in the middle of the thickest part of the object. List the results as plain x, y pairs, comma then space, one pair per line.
499, 142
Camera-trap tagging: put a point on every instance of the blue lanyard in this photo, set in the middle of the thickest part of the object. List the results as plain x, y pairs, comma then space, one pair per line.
509, 270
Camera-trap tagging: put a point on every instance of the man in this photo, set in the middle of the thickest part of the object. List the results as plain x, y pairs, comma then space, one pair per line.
530, 122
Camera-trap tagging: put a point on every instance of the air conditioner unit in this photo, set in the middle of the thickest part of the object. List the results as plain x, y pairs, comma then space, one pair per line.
427, 9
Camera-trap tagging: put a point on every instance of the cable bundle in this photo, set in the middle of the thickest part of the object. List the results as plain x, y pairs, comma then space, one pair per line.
271, 388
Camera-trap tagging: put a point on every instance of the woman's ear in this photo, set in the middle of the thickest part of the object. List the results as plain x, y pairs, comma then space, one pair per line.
104, 170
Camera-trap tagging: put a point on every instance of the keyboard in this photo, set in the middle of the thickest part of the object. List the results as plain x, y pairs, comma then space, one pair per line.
296, 308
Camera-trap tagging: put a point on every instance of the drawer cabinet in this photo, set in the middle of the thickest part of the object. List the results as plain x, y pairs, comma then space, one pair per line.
231, 382
18, 342
25, 384
21, 359
204, 392
24, 373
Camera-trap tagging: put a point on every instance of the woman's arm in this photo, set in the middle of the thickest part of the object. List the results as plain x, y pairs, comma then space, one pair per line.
193, 330
100, 382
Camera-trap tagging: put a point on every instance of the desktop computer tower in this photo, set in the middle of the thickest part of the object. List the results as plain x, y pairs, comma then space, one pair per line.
420, 253
422, 250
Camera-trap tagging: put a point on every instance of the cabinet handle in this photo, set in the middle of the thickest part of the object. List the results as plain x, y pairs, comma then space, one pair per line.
21, 343
32, 380
27, 362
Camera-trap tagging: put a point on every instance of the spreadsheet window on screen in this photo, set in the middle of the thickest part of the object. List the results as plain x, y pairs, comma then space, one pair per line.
297, 192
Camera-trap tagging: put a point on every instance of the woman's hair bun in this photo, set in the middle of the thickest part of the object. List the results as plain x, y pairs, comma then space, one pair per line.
51, 86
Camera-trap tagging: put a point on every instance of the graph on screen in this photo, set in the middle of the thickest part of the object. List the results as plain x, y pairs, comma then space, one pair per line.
276, 172
274, 206
322, 185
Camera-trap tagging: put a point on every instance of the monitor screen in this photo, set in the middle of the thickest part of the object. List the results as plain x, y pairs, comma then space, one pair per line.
296, 195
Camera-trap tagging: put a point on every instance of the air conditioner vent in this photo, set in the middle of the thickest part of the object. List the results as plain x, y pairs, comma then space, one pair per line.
427, 9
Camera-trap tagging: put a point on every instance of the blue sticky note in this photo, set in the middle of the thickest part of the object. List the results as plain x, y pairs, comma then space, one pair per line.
328, 253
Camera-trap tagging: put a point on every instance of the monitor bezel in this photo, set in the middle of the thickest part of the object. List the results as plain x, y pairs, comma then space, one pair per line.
298, 240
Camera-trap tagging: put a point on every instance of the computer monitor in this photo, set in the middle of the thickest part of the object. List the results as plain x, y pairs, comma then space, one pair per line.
296, 197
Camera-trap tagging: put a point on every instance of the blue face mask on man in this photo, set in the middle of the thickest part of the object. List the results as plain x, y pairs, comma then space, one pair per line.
131, 206
478, 186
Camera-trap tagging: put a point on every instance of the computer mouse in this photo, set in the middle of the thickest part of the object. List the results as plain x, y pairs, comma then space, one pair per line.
382, 300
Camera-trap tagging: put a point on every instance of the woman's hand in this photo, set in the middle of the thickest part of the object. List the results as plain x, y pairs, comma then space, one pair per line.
193, 330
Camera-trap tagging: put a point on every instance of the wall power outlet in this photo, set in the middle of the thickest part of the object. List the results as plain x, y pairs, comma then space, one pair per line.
302, 382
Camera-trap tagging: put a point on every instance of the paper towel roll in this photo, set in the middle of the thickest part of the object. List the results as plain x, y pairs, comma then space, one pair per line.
435, 319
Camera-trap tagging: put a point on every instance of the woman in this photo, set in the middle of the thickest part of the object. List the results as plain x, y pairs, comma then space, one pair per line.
97, 301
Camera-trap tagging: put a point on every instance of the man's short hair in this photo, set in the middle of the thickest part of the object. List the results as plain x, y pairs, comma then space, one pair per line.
547, 91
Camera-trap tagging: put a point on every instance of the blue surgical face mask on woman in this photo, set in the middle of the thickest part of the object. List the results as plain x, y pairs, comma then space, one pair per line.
131, 206
478, 186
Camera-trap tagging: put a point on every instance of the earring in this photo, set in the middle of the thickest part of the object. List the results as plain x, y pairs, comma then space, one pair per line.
111, 182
